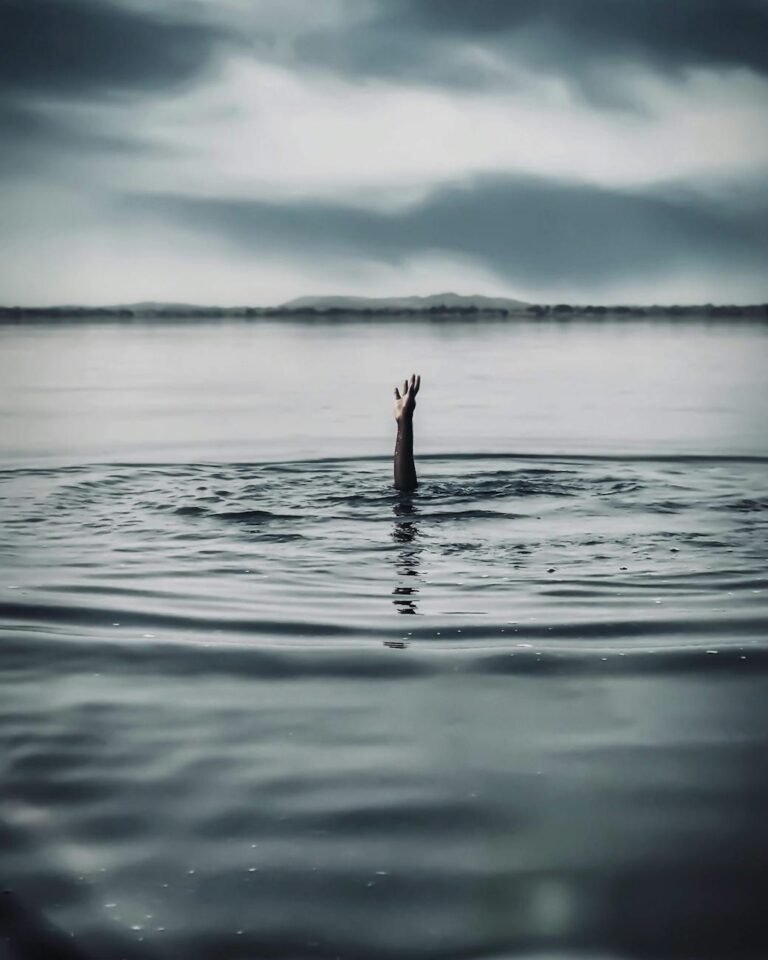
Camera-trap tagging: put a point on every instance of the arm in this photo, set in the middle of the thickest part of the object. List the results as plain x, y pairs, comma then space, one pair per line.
405, 469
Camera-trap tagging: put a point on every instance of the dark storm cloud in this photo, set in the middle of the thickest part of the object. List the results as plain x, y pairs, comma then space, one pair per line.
525, 230
87, 47
36, 141
83, 46
430, 39
81, 50
677, 33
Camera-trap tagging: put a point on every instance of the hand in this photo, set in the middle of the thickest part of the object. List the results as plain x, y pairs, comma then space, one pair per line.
406, 404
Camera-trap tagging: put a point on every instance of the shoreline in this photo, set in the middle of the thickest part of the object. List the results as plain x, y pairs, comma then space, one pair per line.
557, 312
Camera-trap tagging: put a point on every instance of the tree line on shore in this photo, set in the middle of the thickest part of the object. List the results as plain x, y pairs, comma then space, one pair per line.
560, 311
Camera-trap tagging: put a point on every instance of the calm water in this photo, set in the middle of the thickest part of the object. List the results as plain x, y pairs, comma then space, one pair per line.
255, 704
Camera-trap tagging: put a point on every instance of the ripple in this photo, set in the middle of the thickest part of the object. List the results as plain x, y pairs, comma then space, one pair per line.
215, 719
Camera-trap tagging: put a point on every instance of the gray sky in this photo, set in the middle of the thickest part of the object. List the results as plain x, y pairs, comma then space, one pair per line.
249, 151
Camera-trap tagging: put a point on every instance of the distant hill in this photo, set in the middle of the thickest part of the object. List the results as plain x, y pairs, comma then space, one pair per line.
155, 306
447, 301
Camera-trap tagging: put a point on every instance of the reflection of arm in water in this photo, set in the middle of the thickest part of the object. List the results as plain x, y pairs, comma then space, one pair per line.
405, 469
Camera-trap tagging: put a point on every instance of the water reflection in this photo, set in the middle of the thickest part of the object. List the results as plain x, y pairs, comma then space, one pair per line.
405, 531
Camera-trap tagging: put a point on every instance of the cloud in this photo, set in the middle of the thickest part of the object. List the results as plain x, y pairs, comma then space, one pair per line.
258, 131
517, 236
485, 42
265, 120
62, 59
37, 140
87, 47
527, 232
557, 148
719, 33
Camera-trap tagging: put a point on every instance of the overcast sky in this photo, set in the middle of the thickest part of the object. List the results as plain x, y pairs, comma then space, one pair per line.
250, 151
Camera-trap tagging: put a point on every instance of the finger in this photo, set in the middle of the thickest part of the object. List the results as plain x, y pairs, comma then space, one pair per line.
397, 394
416, 385
405, 387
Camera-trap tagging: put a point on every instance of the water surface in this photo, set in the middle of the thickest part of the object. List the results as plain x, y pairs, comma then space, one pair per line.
257, 704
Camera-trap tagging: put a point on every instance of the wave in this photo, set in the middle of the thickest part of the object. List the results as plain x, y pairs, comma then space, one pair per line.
299, 464
27, 654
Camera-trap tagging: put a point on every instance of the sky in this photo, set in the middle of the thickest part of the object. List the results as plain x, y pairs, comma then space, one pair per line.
252, 151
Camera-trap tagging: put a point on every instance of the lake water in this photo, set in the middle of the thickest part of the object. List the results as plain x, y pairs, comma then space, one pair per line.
256, 704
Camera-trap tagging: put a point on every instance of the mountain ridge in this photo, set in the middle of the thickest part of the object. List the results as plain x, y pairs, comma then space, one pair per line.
449, 299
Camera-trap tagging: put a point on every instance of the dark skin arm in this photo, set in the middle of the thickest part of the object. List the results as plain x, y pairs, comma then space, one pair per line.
405, 404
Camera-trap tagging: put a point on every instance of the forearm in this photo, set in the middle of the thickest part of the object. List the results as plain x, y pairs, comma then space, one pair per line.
405, 468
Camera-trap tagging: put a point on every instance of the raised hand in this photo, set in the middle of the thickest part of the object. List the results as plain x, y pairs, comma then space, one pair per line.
405, 404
